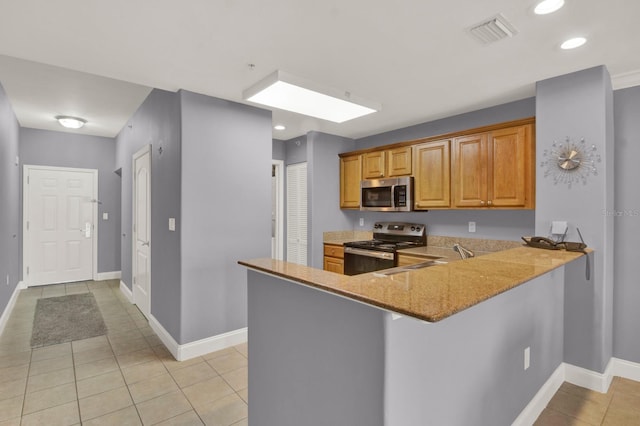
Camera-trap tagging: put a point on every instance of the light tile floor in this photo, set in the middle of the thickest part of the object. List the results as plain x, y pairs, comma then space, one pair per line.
124, 378
576, 406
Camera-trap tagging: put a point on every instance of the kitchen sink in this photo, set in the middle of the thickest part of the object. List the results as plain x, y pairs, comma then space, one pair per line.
415, 266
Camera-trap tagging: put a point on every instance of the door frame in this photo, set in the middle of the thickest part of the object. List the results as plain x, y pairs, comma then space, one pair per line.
25, 214
142, 151
280, 173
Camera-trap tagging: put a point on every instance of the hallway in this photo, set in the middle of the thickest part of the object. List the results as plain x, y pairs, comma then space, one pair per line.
127, 377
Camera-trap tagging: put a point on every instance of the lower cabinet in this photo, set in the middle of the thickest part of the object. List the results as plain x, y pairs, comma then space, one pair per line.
334, 258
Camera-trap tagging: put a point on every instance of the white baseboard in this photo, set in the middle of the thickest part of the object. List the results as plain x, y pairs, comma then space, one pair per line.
103, 276
626, 369
212, 344
166, 338
125, 290
579, 376
593, 380
539, 402
4, 318
199, 347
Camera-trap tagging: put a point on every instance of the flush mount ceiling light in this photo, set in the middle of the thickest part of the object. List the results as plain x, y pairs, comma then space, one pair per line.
285, 91
279, 127
572, 43
71, 122
548, 6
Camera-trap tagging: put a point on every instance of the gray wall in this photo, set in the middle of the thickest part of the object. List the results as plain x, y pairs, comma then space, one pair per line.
315, 359
627, 224
295, 150
226, 210
323, 171
503, 224
469, 368
156, 122
579, 105
9, 195
278, 151
63, 149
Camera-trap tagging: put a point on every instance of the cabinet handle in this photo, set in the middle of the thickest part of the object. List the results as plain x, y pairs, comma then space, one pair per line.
482, 203
489, 202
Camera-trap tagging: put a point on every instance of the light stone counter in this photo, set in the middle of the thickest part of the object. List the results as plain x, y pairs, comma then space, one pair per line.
432, 293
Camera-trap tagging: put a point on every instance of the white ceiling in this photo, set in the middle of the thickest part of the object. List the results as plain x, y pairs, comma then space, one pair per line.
412, 56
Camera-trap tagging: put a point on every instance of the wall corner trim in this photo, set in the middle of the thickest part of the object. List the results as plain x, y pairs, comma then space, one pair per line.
4, 318
199, 347
579, 376
125, 290
103, 276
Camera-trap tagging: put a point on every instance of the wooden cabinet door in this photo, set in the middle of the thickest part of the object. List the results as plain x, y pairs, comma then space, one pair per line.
373, 165
469, 170
509, 166
432, 175
333, 264
350, 176
399, 161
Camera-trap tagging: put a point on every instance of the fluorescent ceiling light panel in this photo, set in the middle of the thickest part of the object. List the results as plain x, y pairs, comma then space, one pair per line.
284, 91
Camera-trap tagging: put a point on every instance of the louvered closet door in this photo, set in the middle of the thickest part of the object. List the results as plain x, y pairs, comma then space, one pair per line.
297, 213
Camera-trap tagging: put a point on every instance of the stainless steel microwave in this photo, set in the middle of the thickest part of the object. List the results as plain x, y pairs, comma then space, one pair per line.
387, 195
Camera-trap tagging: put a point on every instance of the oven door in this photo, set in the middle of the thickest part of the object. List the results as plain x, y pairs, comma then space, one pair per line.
360, 261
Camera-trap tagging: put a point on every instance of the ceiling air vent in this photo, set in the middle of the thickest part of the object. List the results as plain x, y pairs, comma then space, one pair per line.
493, 29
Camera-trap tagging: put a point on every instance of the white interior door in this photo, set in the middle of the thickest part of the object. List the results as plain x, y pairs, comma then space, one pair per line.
142, 230
297, 213
59, 217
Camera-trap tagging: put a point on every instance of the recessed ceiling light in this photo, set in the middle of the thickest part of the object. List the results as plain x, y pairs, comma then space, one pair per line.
291, 93
548, 6
279, 127
71, 122
572, 43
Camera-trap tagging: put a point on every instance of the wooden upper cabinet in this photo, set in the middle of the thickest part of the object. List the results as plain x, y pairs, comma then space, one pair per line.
509, 171
494, 169
350, 176
481, 168
399, 161
469, 170
432, 175
373, 165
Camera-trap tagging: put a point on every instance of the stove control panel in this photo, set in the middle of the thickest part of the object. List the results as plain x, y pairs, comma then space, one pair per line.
400, 228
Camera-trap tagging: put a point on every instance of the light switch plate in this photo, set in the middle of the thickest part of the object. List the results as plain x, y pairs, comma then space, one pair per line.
172, 224
105, 216
472, 227
361, 221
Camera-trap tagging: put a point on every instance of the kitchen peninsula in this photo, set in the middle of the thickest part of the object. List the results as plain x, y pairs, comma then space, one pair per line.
438, 345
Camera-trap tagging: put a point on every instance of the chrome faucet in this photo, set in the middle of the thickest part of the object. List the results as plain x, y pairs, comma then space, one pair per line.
464, 252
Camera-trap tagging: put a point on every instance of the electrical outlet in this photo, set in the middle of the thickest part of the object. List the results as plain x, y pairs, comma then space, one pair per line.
7, 279
472, 227
527, 357
172, 224
361, 221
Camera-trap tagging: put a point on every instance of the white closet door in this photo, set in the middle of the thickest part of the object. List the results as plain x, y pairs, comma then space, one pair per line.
297, 213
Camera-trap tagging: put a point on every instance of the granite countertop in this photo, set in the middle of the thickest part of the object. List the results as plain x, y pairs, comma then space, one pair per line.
432, 293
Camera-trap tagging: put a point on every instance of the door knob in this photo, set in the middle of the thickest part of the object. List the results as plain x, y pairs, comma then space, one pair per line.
145, 243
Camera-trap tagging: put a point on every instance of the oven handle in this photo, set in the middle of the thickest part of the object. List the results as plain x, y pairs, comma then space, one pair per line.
369, 253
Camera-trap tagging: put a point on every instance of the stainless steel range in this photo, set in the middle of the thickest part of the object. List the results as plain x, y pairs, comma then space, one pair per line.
380, 253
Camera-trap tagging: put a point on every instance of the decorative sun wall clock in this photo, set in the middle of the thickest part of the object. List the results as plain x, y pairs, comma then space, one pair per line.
570, 162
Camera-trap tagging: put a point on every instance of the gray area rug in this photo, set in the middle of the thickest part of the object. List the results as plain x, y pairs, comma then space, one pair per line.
66, 318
